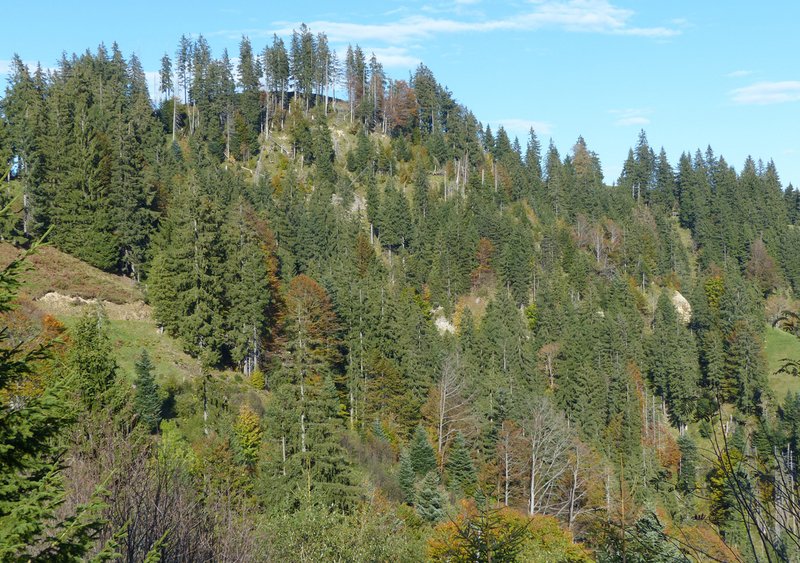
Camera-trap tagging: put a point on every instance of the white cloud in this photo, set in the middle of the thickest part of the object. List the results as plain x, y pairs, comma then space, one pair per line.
580, 16
763, 93
739, 74
631, 117
520, 127
639, 120
394, 57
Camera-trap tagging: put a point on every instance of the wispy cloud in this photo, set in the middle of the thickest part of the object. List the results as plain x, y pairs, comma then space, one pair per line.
394, 57
631, 117
739, 74
764, 93
577, 16
520, 127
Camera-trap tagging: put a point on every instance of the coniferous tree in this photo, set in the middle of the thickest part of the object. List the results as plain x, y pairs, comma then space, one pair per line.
249, 71
406, 476
249, 294
429, 501
31, 453
188, 275
165, 76
461, 474
421, 454
395, 220
147, 403
90, 359
688, 468
673, 365
247, 429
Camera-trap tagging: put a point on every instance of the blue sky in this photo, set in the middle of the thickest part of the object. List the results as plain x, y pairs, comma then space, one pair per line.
689, 73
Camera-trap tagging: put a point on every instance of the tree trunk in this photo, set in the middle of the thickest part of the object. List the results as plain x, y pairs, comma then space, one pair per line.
532, 504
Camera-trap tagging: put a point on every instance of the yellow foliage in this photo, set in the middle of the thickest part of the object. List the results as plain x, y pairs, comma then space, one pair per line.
509, 535
248, 433
257, 379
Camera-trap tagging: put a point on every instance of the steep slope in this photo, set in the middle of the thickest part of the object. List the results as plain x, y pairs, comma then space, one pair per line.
65, 287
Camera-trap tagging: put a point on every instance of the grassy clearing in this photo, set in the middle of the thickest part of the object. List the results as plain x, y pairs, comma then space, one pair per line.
130, 326
130, 337
685, 236
54, 270
780, 345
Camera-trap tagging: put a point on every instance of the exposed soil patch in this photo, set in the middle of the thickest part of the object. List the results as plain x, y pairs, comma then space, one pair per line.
58, 304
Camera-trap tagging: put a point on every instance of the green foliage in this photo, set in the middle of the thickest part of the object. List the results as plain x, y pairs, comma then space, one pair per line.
532, 315
672, 362
645, 541
482, 533
421, 454
258, 258
380, 536
487, 535
429, 500
688, 466
247, 430
32, 488
90, 359
460, 470
147, 402
406, 476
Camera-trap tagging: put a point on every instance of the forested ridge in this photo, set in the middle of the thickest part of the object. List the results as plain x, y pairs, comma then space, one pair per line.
416, 339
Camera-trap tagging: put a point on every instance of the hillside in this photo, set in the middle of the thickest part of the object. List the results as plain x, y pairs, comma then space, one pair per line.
781, 346
375, 326
67, 288
55, 271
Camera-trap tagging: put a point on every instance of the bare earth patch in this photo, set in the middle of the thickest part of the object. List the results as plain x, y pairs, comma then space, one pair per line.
58, 304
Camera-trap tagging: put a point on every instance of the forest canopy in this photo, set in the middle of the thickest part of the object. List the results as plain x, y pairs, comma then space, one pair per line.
401, 322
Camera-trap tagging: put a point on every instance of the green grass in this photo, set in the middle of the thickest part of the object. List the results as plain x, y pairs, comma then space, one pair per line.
55, 271
780, 345
130, 337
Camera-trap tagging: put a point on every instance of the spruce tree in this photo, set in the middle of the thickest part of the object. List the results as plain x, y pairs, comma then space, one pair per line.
687, 472
147, 403
420, 451
31, 458
91, 360
395, 224
406, 476
248, 292
429, 501
460, 470
672, 361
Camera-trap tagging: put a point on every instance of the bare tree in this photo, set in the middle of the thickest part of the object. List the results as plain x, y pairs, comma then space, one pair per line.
576, 486
547, 356
153, 497
548, 440
450, 405
511, 460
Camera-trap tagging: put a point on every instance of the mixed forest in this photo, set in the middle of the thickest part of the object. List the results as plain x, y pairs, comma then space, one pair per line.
412, 337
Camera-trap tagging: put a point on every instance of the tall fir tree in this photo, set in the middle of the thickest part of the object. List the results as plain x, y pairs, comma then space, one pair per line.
147, 402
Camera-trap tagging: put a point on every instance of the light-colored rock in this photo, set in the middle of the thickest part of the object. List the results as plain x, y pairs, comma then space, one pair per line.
682, 307
440, 321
